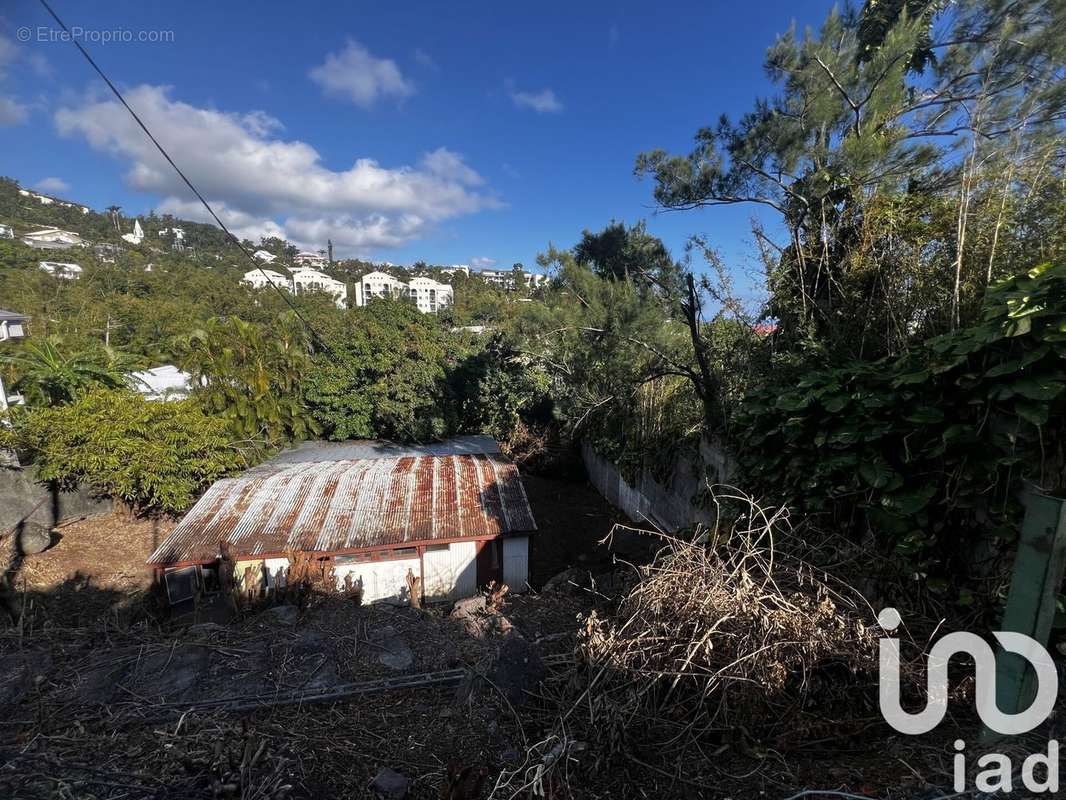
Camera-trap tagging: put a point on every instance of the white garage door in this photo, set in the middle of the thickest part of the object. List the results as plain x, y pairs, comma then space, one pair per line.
516, 563
450, 570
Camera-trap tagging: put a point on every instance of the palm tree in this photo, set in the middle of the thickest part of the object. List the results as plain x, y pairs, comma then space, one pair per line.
48, 377
112, 211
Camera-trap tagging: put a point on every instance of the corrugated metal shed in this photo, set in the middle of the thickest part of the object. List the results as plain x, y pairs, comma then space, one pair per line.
333, 504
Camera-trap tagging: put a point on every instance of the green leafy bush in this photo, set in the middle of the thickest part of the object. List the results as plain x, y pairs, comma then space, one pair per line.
926, 451
154, 456
383, 376
252, 376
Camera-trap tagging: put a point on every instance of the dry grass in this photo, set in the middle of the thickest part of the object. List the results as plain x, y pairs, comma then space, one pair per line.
723, 642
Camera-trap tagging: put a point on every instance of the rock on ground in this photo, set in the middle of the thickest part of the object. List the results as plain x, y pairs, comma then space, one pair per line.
479, 620
390, 785
32, 538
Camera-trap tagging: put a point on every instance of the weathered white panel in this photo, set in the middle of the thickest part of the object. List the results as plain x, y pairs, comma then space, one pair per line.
450, 573
379, 580
275, 571
265, 571
516, 562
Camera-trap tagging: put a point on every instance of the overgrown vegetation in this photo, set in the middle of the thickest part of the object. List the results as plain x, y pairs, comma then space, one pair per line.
151, 456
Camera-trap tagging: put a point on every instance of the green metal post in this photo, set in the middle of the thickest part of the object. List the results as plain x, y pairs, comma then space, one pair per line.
1038, 572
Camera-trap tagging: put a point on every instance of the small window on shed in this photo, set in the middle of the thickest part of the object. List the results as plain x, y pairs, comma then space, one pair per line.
181, 584
405, 551
431, 548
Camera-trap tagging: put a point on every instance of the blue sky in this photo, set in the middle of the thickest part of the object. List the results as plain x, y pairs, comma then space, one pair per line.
404, 131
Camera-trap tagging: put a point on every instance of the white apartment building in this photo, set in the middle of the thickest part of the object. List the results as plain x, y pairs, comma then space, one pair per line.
258, 278
456, 268
430, 296
505, 279
308, 259
61, 269
379, 284
307, 280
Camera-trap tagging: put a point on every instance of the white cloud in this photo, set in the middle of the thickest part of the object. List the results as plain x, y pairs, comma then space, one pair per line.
450, 166
483, 262
261, 182
53, 184
357, 75
543, 102
12, 112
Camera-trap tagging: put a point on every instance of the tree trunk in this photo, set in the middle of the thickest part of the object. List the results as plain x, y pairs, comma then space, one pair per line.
708, 388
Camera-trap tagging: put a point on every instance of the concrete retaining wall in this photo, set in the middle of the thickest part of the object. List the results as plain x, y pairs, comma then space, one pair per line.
24, 499
649, 502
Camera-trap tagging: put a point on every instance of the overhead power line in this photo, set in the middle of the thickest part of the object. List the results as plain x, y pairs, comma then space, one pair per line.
114, 90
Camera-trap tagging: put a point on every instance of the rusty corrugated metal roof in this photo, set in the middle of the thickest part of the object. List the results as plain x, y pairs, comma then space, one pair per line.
344, 504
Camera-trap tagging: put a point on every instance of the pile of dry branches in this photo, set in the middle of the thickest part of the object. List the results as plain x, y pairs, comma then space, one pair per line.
725, 634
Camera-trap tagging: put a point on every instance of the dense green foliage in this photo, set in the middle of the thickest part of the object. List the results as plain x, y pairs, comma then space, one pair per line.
928, 449
153, 456
49, 376
382, 375
251, 376
901, 172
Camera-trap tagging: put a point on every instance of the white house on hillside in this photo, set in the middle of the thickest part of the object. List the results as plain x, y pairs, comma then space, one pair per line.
307, 280
264, 256
308, 259
138, 233
61, 269
53, 239
12, 325
455, 269
429, 295
45, 200
259, 278
6, 232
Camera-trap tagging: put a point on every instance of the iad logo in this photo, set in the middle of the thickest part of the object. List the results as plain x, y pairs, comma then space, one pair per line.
985, 675
998, 773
